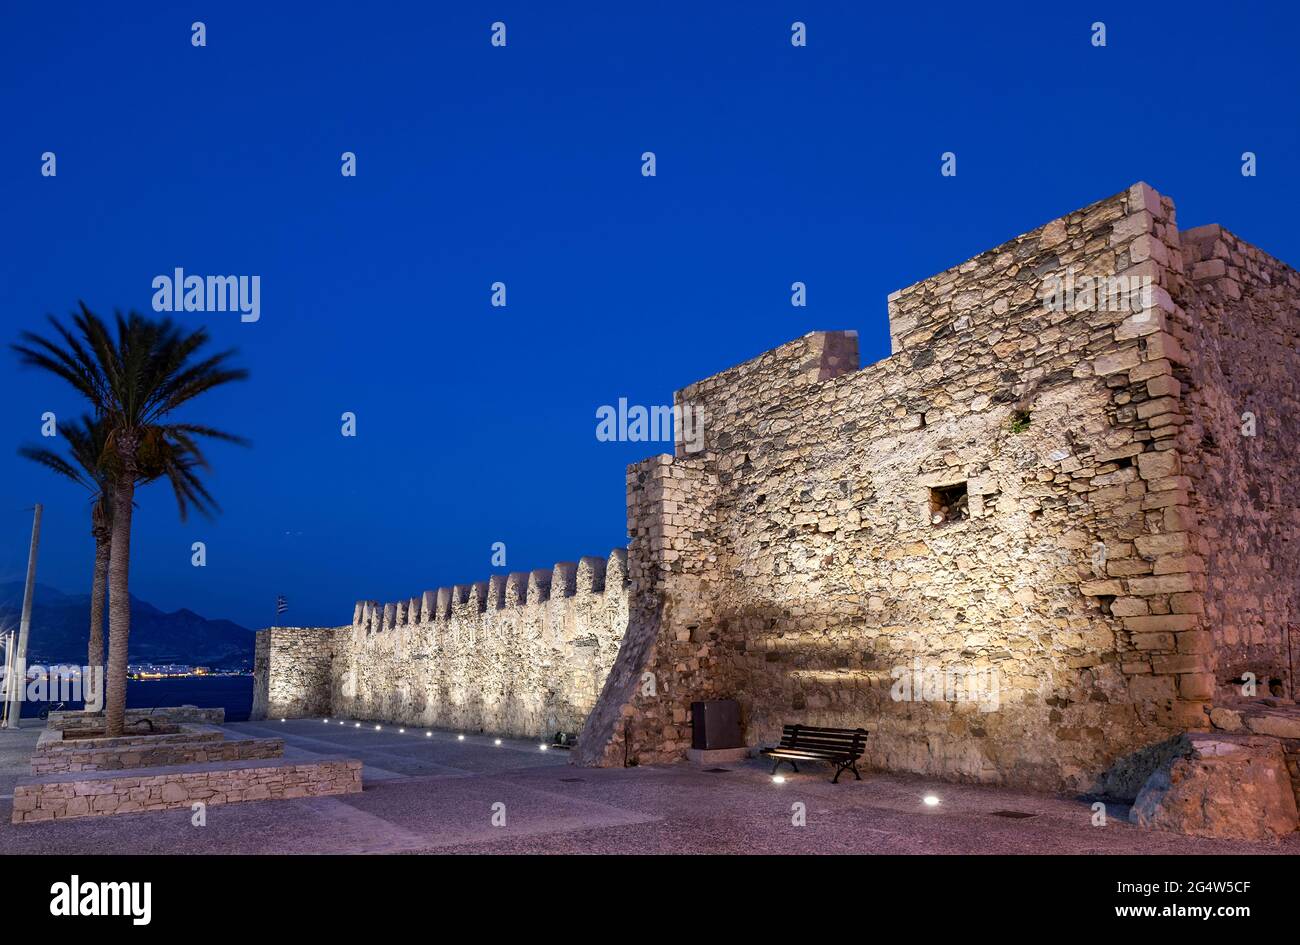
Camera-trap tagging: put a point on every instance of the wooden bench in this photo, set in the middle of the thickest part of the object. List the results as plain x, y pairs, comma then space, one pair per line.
841, 747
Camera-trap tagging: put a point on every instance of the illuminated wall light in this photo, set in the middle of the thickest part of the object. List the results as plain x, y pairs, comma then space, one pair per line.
358, 725
376, 728
542, 747
282, 720
778, 779
460, 738
428, 734
326, 721
930, 800
401, 731
497, 742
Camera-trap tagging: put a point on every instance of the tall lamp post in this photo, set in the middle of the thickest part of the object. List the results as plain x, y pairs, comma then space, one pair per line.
17, 663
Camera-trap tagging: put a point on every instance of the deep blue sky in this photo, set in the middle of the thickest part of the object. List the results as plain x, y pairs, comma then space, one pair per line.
522, 164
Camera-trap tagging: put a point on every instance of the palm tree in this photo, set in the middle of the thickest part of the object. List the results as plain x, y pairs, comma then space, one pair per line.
86, 440
88, 466
135, 378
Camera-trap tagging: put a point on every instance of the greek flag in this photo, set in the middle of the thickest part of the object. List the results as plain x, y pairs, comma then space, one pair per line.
281, 605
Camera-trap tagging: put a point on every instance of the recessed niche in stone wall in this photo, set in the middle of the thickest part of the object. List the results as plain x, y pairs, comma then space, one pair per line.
949, 504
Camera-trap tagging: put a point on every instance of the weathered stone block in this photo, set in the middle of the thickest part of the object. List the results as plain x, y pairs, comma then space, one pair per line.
1179, 663
1129, 607
1158, 464
1279, 724
1161, 584
1169, 623
1226, 719
1195, 686
1116, 361
1153, 545
1224, 786
1101, 588
1151, 688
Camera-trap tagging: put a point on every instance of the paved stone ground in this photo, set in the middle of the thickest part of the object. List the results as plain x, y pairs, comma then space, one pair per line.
435, 795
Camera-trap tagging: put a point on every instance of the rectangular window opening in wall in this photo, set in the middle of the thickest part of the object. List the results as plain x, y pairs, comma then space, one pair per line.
949, 504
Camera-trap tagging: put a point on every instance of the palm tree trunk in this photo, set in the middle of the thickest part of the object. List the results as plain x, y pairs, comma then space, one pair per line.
95, 649
119, 604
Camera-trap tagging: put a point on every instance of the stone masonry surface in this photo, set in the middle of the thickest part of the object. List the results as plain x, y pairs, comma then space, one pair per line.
191, 745
78, 721
94, 794
795, 564
1243, 370
520, 654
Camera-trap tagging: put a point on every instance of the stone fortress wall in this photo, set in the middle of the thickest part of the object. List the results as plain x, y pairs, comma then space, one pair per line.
1243, 366
795, 563
1057, 499
523, 654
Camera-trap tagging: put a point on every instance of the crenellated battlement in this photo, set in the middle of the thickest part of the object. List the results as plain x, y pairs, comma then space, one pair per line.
521, 653
589, 576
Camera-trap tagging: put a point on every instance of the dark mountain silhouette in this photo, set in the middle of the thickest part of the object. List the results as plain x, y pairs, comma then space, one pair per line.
60, 625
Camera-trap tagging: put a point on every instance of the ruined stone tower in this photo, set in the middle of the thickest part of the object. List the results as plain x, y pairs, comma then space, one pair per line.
1123, 472
1075, 474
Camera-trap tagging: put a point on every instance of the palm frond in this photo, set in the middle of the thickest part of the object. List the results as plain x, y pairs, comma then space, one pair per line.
192, 429
135, 373
52, 460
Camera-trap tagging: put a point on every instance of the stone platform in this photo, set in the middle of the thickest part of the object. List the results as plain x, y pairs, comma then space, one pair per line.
138, 718
100, 793
1241, 780
1270, 717
61, 751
